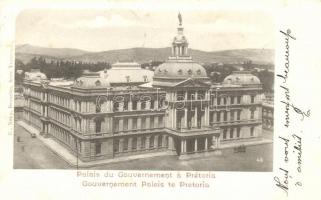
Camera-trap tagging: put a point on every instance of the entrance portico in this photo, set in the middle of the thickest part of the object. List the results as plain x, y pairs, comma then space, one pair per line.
195, 141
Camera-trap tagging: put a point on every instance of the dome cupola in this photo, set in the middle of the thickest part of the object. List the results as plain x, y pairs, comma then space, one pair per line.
91, 80
179, 66
242, 78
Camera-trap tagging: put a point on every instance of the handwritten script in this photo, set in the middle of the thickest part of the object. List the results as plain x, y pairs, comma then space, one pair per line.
290, 142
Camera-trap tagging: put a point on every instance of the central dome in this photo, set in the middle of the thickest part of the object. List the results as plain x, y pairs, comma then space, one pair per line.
180, 70
179, 67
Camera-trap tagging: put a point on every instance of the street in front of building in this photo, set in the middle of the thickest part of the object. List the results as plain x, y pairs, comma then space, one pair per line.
31, 153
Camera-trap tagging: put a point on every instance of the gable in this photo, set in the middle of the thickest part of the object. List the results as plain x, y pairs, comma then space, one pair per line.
191, 83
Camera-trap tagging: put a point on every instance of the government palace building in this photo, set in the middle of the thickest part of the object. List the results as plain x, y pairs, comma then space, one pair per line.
127, 110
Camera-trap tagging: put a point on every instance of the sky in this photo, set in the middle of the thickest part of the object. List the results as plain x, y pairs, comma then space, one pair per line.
102, 30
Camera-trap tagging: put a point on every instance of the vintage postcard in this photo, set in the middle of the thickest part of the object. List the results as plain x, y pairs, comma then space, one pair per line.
173, 97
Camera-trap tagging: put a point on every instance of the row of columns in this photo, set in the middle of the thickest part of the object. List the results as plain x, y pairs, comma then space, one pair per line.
204, 118
179, 50
215, 141
65, 102
150, 122
174, 96
164, 143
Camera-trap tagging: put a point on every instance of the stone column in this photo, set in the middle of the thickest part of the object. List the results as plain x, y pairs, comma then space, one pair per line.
121, 125
130, 123
147, 142
139, 142
139, 123
195, 145
148, 104
182, 146
185, 118
147, 126
130, 105
202, 119
185, 150
111, 105
175, 118
214, 142
195, 117
206, 117
218, 142
228, 116
206, 144
130, 142
121, 145
139, 105
156, 142
170, 143
156, 104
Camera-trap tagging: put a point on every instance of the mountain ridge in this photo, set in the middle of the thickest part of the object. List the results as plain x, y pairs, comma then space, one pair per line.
26, 52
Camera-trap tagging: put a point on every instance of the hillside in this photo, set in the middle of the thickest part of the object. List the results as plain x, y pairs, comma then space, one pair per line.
27, 51
143, 55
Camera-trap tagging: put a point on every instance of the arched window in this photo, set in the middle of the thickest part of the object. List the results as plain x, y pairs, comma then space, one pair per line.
98, 83
145, 78
127, 79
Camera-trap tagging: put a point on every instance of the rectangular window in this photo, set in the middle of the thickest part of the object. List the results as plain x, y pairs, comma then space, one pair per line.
252, 99
218, 116
232, 115
218, 100
98, 126
134, 143
125, 105
134, 105
98, 148
225, 116
232, 100
143, 105
151, 122
160, 121
225, 100
143, 125
231, 133
125, 124
238, 115
159, 141
134, 123
239, 100
125, 144
116, 146
151, 142
238, 131
143, 140
252, 131
116, 125
116, 106
166, 141
252, 114
224, 134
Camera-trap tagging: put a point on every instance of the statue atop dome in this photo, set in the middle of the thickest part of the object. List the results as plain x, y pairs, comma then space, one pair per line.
180, 19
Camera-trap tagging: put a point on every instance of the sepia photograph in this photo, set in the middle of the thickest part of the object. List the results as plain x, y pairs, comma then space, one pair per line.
121, 89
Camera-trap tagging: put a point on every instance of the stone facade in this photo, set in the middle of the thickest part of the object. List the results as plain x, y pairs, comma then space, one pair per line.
179, 113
